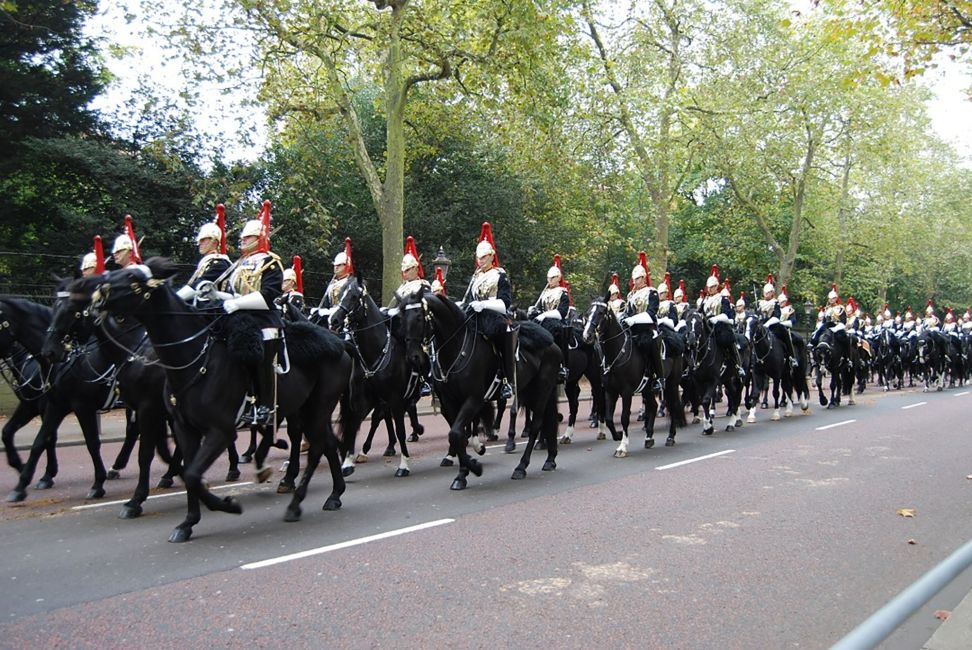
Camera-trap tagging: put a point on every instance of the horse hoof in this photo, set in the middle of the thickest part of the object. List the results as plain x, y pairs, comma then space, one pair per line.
805, 409
475, 466
332, 504
480, 450
44, 483
458, 484
233, 475
361, 458
165, 482
16, 496
708, 432
764, 405
696, 420
518, 474
564, 440
348, 471
737, 423
549, 466
649, 443
510, 446
413, 437
246, 459
851, 402
263, 475
389, 451
751, 419
601, 436
620, 454
400, 472
180, 535
541, 444
113, 474
232, 505
729, 427
280, 443
775, 417
823, 401
285, 488
293, 514
130, 512
830, 406
446, 462
95, 493
670, 442
492, 438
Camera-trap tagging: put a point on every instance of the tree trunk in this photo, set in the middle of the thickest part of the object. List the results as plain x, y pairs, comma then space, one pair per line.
392, 208
842, 214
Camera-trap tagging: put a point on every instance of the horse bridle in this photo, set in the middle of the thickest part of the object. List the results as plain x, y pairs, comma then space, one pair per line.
351, 316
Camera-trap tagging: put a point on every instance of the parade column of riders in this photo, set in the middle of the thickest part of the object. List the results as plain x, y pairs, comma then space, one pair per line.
258, 285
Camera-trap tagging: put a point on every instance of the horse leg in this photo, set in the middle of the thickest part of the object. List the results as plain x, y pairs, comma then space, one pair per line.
548, 428
457, 443
151, 427
88, 420
511, 433
322, 442
263, 472
651, 413
622, 450
757, 380
247, 455
23, 414
776, 400
610, 403
417, 429
708, 411
131, 436
209, 450
233, 473
399, 417
572, 391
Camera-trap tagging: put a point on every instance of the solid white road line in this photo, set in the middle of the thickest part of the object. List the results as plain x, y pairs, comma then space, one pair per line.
962, 393
835, 424
911, 406
154, 496
340, 545
694, 460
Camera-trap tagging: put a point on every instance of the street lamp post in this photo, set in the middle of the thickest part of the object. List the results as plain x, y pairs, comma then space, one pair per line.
441, 262
808, 309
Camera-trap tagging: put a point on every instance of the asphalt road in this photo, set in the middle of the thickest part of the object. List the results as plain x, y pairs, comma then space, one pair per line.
787, 539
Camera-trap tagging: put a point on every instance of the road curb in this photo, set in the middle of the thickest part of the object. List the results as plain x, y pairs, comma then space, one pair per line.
955, 633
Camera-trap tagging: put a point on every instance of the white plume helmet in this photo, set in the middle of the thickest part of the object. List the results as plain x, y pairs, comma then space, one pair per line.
408, 262
614, 289
252, 228
553, 272
122, 243
484, 248
290, 274
340, 258
638, 272
89, 261
209, 231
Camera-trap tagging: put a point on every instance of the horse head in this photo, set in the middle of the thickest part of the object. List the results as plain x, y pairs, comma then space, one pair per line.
124, 291
350, 306
593, 321
415, 324
70, 323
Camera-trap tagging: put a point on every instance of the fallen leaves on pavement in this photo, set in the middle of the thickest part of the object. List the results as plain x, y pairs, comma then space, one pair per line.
906, 512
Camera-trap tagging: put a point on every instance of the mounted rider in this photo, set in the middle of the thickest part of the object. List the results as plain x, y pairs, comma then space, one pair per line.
934, 327
787, 312
967, 322
413, 281
951, 327
214, 262
93, 263
343, 268
615, 301
438, 283
718, 312
256, 284
640, 312
771, 316
681, 301
554, 305
291, 300
908, 324
740, 320
125, 250
835, 319
490, 290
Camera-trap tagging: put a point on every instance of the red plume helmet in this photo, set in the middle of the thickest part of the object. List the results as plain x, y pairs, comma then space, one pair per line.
347, 253
681, 285
643, 261
130, 231
486, 234
728, 287
299, 272
563, 283
615, 280
99, 252
931, 303
742, 295
668, 282
714, 272
439, 277
263, 244
411, 249
769, 279
221, 223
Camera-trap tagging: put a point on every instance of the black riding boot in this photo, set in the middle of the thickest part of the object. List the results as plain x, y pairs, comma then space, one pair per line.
264, 384
509, 364
787, 342
734, 355
564, 340
657, 365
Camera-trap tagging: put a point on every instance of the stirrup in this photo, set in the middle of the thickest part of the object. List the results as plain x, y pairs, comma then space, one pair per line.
262, 415
562, 375
424, 389
506, 390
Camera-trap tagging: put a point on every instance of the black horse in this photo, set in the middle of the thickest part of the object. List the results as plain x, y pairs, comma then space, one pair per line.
81, 385
207, 379
887, 359
708, 370
28, 377
769, 364
830, 358
930, 363
626, 374
464, 370
140, 384
381, 378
